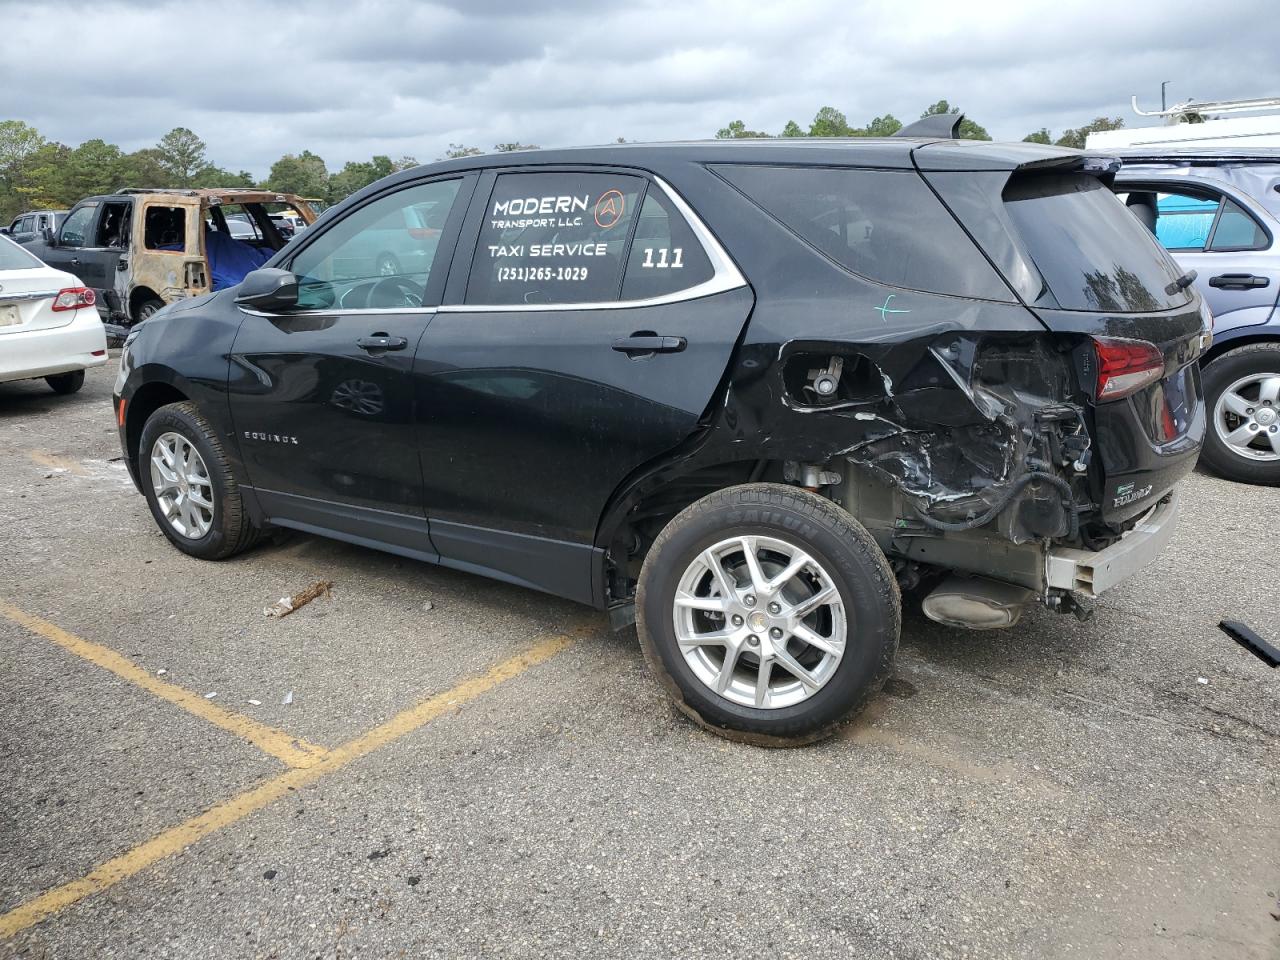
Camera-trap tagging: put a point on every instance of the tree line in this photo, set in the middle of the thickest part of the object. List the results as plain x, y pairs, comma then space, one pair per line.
37, 173
830, 122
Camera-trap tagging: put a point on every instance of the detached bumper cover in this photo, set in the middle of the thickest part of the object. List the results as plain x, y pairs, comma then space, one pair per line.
1093, 573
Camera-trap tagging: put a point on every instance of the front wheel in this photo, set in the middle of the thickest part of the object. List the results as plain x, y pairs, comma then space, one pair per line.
1242, 394
187, 479
768, 613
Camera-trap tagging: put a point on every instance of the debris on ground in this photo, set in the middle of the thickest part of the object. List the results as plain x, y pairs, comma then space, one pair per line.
211, 694
161, 672
1202, 679
428, 606
287, 605
1242, 635
288, 699
255, 703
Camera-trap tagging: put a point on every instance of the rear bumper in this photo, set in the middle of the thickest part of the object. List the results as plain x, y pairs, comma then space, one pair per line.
1092, 573
43, 353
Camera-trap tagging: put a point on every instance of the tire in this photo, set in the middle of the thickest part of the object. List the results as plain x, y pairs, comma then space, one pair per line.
847, 565
209, 534
146, 309
66, 383
1243, 374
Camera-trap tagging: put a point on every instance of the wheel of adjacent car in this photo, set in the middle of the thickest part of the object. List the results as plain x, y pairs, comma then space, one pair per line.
768, 613
66, 383
1242, 395
189, 486
146, 309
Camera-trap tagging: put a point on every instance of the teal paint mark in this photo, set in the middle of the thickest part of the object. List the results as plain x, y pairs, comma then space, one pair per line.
886, 309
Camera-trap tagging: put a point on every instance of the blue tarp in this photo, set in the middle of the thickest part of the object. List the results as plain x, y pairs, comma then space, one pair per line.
230, 259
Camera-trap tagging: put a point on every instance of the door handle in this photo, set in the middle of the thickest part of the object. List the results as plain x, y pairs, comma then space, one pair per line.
74, 261
644, 343
380, 341
1238, 281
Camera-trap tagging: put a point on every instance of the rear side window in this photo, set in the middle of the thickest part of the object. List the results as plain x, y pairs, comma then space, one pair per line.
885, 225
665, 255
1092, 253
554, 238
1236, 230
165, 228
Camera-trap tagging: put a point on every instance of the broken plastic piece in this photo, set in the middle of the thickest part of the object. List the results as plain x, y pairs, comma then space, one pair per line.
211, 694
255, 703
288, 699
286, 605
1242, 635
161, 672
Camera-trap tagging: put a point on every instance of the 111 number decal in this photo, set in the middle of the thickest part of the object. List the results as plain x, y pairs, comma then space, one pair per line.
667, 258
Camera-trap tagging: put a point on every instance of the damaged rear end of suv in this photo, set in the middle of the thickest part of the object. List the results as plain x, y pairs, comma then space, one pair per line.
972, 352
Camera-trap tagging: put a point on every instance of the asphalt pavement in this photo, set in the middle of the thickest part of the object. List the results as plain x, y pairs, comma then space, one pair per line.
426, 763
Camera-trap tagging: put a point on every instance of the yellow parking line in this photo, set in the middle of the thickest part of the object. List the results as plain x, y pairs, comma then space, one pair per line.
240, 806
285, 747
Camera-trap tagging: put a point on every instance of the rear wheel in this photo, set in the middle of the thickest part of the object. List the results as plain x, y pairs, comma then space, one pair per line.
190, 489
768, 613
66, 383
146, 309
1242, 393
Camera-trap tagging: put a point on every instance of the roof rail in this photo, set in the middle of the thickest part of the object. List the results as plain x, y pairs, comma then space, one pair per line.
178, 190
945, 126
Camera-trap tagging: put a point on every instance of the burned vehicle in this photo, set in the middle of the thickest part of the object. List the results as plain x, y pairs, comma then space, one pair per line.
742, 393
140, 249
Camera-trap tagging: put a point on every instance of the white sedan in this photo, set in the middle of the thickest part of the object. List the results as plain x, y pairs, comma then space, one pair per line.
49, 325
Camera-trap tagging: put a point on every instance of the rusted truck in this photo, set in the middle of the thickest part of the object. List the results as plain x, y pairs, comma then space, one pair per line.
142, 248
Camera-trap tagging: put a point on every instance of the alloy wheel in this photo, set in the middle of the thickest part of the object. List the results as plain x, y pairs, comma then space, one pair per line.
182, 485
1247, 417
760, 622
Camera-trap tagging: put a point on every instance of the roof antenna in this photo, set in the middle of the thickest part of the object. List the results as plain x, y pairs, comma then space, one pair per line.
944, 126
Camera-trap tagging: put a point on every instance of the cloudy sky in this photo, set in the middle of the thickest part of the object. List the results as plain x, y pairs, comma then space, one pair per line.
351, 79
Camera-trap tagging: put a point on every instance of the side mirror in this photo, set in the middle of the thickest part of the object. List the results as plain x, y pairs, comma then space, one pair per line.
4, 231
268, 289
49, 237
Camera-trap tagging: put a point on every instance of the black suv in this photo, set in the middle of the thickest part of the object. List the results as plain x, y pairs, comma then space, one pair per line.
740, 392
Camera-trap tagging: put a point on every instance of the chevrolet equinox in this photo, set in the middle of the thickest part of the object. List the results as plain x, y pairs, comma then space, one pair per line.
743, 394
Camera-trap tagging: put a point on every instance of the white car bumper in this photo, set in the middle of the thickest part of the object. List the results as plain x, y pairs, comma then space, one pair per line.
79, 344
1091, 573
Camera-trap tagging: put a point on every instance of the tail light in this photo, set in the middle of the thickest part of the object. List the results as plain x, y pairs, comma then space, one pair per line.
73, 298
1125, 366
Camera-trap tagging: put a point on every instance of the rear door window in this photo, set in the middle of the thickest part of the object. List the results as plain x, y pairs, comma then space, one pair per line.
885, 225
551, 238
1092, 253
1184, 222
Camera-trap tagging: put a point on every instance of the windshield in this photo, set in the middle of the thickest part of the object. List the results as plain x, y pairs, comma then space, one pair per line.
13, 257
1092, 253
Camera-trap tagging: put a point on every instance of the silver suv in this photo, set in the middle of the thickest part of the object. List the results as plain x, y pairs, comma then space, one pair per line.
1218, 213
